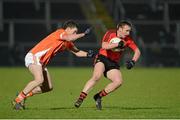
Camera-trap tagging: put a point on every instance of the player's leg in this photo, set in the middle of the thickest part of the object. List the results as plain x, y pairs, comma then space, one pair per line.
46, 86
115, 76
36, 71
97, 73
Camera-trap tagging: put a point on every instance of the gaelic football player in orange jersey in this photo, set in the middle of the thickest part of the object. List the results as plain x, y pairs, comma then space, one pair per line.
39, 56
106, 62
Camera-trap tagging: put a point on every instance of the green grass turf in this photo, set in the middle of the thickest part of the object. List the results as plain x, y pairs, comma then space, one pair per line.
145, 93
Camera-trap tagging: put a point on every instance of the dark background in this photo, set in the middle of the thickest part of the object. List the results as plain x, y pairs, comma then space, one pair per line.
23, 23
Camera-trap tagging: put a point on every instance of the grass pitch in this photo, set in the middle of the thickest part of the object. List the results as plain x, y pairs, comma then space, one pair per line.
145, 93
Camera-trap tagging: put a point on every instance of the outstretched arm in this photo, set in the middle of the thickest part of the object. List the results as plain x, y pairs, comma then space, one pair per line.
136, 55
77, 52
72, 37
81, 53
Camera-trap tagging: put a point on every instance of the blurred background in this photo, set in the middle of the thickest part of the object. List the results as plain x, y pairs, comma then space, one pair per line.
23, 23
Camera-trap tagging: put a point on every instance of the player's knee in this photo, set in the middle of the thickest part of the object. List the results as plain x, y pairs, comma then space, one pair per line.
118, 82
39, 81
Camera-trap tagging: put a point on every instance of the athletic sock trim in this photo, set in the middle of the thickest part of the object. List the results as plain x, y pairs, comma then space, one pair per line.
82, 95
103, 93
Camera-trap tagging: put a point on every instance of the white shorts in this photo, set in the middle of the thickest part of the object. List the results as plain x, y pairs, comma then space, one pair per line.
31, 59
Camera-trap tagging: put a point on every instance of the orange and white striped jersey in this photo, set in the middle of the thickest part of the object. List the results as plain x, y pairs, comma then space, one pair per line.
49, 46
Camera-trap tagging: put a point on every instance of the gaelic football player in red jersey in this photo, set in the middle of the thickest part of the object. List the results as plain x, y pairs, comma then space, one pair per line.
40, 55
106, 62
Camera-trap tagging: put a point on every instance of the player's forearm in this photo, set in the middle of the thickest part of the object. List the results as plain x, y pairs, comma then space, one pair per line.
81, 54
72, 37
107, 46
137, 54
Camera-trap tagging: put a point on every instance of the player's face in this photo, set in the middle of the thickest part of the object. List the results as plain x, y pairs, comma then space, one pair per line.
72, 30
123, 31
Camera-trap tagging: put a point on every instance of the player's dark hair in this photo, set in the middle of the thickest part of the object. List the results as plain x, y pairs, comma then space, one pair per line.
70, 23
124, 22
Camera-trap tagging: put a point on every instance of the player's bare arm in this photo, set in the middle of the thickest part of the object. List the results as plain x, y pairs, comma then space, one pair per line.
72, 34
81, 53
77, 52
72, 37
137, 54
131, 63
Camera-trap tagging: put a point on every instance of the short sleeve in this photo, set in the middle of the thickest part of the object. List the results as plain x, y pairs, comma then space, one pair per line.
60, 33
108, 35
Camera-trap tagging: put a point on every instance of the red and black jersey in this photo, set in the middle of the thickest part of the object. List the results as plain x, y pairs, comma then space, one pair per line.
116, 56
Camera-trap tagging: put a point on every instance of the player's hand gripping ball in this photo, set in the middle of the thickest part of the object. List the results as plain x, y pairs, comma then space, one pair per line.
120, 44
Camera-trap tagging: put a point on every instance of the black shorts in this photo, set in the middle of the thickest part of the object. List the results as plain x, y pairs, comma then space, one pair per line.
108, 63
